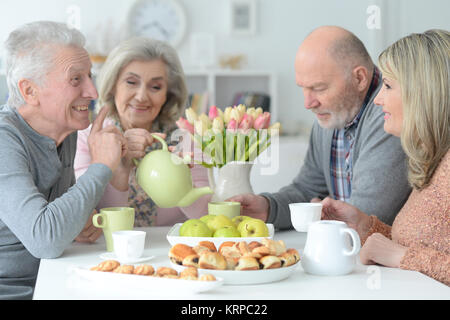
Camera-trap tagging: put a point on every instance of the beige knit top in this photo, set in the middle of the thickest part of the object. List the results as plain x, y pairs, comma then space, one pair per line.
423, 225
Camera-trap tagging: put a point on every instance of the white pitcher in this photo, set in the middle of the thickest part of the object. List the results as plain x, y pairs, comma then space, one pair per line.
328, 249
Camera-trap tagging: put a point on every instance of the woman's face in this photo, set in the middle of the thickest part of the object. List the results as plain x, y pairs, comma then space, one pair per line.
390, 98
140, 93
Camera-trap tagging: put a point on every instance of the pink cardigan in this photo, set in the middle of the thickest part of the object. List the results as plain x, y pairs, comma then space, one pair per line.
114, 198
423, 225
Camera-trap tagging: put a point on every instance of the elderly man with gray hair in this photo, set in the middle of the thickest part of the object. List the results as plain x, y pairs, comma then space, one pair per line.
43, 208
350, 157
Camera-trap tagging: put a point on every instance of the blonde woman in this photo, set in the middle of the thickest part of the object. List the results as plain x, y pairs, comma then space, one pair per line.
415, 99
143, 83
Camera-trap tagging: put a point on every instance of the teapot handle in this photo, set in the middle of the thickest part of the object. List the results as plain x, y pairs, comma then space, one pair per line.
356, 242
164, 147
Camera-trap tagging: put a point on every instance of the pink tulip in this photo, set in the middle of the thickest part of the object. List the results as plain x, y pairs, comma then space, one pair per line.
262, 121
245, 125
213, 113
232, 125
185, 125
248, 118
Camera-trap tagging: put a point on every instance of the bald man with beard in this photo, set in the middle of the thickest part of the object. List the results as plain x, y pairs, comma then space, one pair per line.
350, 157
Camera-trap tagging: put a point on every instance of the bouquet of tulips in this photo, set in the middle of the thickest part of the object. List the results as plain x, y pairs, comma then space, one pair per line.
236, 134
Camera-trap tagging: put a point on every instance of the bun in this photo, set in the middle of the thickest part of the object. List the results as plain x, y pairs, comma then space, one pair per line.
189, 273
225, 245
212, 260
270, 262
191, 261
180, 251
208, 244
247, 263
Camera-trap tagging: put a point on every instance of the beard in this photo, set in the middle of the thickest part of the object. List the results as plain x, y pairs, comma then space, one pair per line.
345, 109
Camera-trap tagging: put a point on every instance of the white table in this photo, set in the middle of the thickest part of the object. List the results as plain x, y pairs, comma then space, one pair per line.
365, 282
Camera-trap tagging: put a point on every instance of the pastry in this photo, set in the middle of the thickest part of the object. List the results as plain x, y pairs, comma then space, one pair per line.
270, 262
287, 259
165, 271
254, 244
212, 260
247, 263
295, 253
275, 247
191, 261
144, 270
207, 277
106, 266
200, 249
126, 269
208, 244
189, 273
243, 248
180, 251
260, 252
225, 245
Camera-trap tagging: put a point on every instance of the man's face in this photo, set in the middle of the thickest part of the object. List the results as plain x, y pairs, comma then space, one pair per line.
67, 90
328, 92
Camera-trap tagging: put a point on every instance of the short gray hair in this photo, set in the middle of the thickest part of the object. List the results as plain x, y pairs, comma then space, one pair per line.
145, 49
30, 50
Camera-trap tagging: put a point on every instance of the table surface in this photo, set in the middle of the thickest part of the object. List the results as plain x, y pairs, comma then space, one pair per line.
56, 282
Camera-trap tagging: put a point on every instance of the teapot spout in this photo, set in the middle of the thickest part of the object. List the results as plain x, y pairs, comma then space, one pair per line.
193, 195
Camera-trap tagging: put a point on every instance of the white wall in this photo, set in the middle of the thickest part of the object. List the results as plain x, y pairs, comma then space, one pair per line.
282, 24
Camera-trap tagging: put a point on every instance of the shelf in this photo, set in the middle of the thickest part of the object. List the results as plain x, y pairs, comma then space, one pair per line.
222, 85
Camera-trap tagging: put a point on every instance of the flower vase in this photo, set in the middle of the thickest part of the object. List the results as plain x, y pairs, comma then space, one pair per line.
232, 179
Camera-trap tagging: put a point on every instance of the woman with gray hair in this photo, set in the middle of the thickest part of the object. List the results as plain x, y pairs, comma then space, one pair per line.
416, 101
43, 209
142, 81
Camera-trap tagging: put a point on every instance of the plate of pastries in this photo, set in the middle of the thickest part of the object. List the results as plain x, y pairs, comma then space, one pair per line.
149, 277
238, 263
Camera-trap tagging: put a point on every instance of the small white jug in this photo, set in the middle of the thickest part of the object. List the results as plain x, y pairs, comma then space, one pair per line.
328, 250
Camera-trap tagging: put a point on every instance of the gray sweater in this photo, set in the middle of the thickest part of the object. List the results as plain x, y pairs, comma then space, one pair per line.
379, 177
42, 208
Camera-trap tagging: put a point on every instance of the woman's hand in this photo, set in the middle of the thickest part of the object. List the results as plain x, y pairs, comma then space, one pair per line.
252, 205
380, 250
137, 142
342, 211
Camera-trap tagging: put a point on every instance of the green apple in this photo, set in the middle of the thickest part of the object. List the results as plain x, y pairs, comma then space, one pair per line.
195, 228
207, 217
227, 232
238, 219
218, 222
253, 228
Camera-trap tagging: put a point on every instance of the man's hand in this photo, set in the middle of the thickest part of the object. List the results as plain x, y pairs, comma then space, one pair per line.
90, 233
253, 205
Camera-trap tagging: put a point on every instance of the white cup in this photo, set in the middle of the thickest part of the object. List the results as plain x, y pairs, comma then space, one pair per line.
128, 244
304, 213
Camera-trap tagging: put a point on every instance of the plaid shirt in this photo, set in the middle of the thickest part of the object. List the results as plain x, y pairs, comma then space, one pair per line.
342, 149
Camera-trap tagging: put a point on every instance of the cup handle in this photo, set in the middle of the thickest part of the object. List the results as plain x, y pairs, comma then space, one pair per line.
95, 220
356, 242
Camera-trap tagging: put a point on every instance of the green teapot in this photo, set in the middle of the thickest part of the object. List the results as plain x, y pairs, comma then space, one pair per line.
167, 179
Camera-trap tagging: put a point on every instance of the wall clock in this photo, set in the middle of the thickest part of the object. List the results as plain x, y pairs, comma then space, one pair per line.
159, 19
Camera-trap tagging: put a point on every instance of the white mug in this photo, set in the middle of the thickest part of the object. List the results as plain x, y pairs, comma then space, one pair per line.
128, 244
303, 214
328, 249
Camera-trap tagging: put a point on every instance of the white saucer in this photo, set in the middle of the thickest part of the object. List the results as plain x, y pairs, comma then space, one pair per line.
112, 256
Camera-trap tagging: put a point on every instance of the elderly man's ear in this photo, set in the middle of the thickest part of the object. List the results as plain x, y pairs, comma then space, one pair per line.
29, 91
361, 78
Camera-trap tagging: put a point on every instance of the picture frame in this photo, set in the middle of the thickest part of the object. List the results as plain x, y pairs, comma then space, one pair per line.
243, 17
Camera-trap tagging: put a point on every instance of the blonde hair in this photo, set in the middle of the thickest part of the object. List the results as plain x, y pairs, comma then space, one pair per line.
420, 63
145, 49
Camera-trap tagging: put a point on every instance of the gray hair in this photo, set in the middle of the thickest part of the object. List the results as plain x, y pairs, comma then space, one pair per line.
350, 51
144, 49
30, 50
